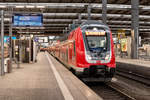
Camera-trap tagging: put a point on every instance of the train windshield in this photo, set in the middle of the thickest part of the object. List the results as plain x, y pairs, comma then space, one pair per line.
97, 39
96, 43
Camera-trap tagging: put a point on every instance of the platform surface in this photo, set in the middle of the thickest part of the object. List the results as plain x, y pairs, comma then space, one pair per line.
45, 80
136, 66
134, 61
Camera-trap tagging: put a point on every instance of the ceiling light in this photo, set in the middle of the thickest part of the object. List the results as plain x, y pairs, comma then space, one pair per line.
6, 19
2, 6
40, 6
30, 6
19, 6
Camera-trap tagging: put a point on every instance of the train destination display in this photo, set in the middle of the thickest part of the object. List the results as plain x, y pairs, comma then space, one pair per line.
95, 33
27, 20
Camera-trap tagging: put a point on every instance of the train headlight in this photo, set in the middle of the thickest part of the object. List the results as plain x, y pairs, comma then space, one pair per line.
107, 57
88, 57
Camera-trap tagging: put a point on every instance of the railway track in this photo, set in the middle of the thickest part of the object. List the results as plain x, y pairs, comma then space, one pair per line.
107, 92
133, 76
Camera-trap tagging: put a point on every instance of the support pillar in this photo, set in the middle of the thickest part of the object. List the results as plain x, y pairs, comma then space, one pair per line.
10, 41
20, 49
2, 44
79, 18
66, 29
104, 11
135, 28
89, 11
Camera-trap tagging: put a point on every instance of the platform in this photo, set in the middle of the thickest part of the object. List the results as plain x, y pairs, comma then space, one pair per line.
45, 80
137, 66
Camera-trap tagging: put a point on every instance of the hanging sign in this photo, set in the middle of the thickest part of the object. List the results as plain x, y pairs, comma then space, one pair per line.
27, 20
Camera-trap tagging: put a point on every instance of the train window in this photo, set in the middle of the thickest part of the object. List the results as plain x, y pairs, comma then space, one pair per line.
96, 42
74, 45
67, 55
97, 39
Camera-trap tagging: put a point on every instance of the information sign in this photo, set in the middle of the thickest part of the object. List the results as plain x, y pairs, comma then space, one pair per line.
27, 20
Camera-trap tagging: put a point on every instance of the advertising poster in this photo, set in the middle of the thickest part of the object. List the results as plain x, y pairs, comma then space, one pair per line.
123, 43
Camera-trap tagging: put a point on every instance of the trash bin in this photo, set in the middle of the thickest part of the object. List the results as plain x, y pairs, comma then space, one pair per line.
5, 65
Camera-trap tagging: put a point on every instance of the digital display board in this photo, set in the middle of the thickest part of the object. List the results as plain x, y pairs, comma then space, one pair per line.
27, 20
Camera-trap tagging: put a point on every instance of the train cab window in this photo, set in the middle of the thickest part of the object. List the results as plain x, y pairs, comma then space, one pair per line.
96, 42
96, 38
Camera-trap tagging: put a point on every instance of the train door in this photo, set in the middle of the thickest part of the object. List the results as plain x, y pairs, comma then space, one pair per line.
66, 57
70, 52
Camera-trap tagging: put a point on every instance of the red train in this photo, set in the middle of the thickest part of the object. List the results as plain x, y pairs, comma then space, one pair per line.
88, 52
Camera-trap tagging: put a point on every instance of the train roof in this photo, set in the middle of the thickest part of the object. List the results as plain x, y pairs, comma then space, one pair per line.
89, 22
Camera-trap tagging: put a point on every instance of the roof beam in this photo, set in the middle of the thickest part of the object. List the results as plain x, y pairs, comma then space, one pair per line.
86, 15
71, 20
72, 5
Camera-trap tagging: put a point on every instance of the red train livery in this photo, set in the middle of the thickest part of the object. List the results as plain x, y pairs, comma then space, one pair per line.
88, 52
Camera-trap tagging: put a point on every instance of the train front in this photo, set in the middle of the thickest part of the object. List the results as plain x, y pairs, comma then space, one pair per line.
99, 53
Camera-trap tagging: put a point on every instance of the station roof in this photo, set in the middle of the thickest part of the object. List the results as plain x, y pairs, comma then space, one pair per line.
58, 14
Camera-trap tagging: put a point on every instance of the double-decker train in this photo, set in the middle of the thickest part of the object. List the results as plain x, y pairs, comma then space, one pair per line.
88, 52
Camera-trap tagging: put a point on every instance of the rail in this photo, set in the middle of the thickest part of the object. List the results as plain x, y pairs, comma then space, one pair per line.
134, 76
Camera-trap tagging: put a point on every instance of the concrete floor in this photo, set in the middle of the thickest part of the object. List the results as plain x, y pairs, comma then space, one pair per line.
38, 81
30, 82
